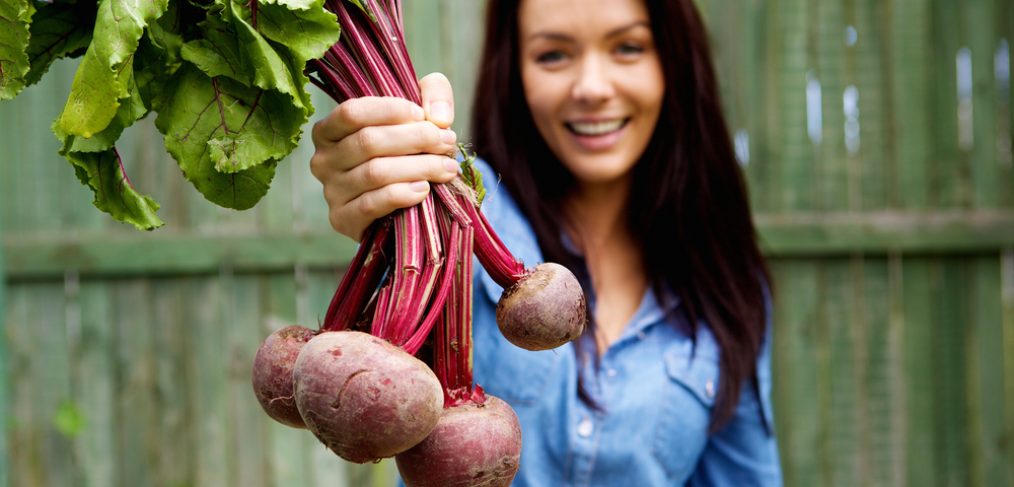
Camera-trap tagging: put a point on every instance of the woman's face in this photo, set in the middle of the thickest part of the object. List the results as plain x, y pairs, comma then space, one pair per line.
593, 82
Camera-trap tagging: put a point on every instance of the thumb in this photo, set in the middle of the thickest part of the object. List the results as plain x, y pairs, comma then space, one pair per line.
438, 99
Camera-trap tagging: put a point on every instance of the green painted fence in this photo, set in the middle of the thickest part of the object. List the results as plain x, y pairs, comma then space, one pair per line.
876, 136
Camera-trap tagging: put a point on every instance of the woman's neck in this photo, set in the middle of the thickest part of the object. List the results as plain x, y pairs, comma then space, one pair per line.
599, 229
597, 214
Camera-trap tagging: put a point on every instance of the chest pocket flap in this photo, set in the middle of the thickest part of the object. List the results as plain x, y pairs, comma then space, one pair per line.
697, 373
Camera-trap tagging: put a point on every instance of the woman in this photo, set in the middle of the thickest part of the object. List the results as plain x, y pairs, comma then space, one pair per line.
607, 152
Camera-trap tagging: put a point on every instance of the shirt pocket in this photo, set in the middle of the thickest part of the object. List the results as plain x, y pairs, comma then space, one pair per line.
687, 399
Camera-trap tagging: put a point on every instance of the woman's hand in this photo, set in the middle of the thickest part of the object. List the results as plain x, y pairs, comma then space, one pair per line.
375, 155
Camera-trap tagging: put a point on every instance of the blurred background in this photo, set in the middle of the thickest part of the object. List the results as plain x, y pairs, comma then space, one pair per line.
876, 135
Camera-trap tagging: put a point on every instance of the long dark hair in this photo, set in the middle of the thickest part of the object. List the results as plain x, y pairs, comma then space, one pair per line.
688, 208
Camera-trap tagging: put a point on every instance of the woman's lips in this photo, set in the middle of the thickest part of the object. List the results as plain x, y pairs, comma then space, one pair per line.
597, 135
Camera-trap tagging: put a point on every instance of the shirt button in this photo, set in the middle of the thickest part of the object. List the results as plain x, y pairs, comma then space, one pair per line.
611, 372
585, 428
709, 389
641, 335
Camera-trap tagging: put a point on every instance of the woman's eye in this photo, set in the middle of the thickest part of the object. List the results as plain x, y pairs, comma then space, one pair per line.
550, 57
629, 48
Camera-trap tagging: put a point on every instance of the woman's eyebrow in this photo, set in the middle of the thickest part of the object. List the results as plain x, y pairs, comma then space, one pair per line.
559, 36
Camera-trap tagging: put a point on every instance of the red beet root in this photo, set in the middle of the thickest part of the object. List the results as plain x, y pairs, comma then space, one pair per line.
364, 398
543, 310
472, 445
272, 373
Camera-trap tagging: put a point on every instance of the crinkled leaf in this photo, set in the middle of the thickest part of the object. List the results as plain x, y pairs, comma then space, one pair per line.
102, 172
131, 109
218, 52
302, 26
15, 16
99, 83
208, 120
269, 70
59, 30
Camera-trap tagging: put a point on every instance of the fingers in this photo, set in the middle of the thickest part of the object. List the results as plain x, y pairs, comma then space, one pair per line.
379, 186
354, 114
352, 218
438, 99
384, 171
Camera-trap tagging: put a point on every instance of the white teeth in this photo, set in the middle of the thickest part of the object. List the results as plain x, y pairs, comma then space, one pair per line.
596, 128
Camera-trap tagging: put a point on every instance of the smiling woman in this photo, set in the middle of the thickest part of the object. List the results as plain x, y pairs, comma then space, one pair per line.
603, 139
594, 84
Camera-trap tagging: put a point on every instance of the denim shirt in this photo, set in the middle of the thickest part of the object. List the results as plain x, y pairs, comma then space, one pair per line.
655, 389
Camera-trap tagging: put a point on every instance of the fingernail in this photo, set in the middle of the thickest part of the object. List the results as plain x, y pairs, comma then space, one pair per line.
440, 111
451, 165
448, 136
419, 186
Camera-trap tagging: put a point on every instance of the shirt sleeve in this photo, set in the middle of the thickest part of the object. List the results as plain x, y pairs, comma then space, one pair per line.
744, 453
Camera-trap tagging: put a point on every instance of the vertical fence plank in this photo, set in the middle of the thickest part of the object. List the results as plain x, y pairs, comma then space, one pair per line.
796, 365
174, 463
5, 472
987, 427
981, 41
95, 372
949, 169
796, 177
949, 351
1007, 307
206, 373
825, 85
876, 172
24, 436
910, 111
137, 441
840, 442
880, 398
921, 286
246, 425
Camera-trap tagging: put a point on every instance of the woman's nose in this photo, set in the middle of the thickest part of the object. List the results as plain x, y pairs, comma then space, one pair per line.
593, 84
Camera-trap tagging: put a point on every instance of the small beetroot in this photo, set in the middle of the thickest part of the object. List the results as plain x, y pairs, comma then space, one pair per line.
542, 310
473, 445
272, 373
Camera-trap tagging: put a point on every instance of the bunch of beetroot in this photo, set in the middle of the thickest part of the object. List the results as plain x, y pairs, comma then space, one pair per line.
356, 383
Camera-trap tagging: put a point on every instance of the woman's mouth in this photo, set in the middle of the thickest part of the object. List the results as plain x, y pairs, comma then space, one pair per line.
592, 129
598, 135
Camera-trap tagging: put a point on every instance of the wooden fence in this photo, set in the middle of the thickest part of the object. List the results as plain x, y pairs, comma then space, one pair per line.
876, 135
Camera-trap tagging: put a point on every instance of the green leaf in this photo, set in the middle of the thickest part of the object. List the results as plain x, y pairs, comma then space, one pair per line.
302, 26
59, 30
218, 52
268, 70
227, 137
15, 16
100, 83
114, 194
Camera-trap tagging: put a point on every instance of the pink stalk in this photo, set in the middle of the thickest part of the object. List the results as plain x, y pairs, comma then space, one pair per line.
360, 279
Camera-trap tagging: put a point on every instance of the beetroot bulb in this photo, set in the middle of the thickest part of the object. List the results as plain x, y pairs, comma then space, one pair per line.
540, 308
364, 398
272, 373
472, 445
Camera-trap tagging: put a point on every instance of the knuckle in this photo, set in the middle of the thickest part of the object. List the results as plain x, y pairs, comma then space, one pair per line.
318, 166
368, 140
372, 174
349, 111
429, 134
